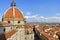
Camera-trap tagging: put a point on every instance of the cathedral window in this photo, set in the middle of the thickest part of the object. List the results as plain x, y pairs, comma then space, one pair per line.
18, 21
2, 19
25, 21
8, 21
4, 29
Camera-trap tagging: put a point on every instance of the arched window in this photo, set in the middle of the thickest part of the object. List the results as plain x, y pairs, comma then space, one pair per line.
25, 21
18, 21
8, 21
2, 19
4, 29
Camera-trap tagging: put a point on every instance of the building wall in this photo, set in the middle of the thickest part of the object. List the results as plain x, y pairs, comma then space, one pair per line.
1, 30
21, 23
7, 21
15, 22
13, 37
4, 29
7, 29
22, 34
19, 35
29, 37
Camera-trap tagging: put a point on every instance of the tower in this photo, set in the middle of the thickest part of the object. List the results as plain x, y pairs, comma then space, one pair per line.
13, 25
13, 15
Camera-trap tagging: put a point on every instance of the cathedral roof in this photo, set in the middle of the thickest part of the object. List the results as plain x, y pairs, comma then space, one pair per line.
10, 14
13, 12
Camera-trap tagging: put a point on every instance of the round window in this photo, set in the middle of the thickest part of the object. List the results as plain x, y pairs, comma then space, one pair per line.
18, 21
8, 21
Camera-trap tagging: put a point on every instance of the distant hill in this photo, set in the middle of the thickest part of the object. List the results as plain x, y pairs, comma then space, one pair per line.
41, 23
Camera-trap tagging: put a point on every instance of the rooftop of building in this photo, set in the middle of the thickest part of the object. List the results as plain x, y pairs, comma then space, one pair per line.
49, 31
13, 12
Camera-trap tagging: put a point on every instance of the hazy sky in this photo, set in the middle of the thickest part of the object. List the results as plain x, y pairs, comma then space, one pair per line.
43, 8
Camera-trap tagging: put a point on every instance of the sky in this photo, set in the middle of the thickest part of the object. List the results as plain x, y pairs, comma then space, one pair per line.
35, 9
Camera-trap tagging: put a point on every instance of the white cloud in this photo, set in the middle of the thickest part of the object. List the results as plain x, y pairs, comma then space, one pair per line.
33, 16
42, 16
43, 19
57, 14
28, 13
36, 18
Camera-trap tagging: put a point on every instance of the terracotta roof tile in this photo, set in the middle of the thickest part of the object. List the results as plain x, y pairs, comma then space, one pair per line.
1, 23
47, 35
39, 30
7, 35
55, 28
58, 33
9, 13
27, 26
19, 26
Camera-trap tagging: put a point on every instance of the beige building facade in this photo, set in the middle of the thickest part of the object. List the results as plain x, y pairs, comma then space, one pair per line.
13, 26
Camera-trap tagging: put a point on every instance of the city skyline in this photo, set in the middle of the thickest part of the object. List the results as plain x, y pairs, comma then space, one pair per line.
41, 9
31, 21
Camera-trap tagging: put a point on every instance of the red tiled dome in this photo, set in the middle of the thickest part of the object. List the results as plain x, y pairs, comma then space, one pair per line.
9, 13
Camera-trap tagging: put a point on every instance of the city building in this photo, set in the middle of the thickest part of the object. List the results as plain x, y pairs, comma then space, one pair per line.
13, 25
48, 31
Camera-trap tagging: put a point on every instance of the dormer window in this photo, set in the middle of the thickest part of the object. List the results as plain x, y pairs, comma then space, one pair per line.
8, 21
18, 21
